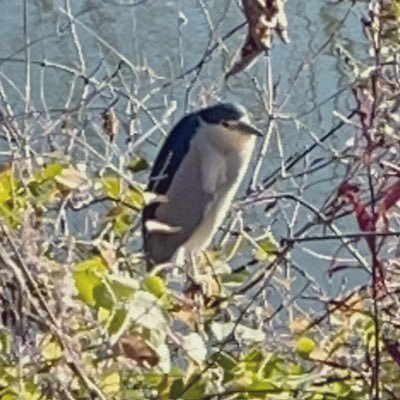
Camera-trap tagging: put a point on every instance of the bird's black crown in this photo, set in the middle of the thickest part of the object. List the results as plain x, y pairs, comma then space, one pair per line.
222, 112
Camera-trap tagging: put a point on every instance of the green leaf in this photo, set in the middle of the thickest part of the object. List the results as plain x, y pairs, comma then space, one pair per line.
115, 290
112, 186
123, 288
122, 223
137, 164
10, 396
194, 346
195, 391
155, 285
341, 388
225, 360
236, 278
11, 216
7, 185
88, 274
51, 349
134, 197
111, 383
8, 375
267, 249
32, 392
145, 310
117, 321
49, 172
221, 330
12, 199
272, 367
265, 386
176, 389
5, 342
305, 345
296, 369
44, 188
102, 296
254, 356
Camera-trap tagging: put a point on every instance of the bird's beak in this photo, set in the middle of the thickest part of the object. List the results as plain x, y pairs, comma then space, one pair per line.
250, 129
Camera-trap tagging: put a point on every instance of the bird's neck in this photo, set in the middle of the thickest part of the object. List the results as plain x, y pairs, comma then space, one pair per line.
226, 141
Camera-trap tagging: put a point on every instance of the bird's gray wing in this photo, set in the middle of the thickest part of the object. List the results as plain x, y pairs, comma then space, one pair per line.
176, 175
173, 151
185, 207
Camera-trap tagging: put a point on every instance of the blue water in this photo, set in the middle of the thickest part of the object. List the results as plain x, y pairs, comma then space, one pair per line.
159, 40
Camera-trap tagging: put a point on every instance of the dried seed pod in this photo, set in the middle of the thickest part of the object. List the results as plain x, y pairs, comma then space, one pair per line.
110, 123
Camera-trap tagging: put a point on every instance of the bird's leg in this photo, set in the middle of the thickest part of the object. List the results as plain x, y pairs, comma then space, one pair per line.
192, 272
194, 285
197, 282
200, 283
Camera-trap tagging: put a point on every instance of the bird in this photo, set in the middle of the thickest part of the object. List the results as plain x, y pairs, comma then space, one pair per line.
195, 177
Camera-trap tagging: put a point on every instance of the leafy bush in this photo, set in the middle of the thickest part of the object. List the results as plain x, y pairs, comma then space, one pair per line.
83, 319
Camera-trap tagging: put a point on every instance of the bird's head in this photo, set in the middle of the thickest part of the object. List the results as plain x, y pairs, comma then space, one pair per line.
228, 126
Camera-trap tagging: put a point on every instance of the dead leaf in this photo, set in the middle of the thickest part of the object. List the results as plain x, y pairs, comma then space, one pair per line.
299, 324
107, 252
73, 178
138, 349
264, 18
187, 315
366, 222
393, 348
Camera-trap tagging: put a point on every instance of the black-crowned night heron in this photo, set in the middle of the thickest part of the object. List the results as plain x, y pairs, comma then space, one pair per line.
196, 175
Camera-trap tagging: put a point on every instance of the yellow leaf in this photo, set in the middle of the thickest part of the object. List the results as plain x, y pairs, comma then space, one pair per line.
48, 172
155, 285
305, 345
88, 275
111, 383
267, 249
6, 185
112, 186
51, 350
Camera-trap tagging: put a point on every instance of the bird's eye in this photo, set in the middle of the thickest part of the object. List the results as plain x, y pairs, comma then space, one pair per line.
225, 124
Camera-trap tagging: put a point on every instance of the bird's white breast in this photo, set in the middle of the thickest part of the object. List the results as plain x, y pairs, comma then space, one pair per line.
213, 167
221, 175
223, 154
